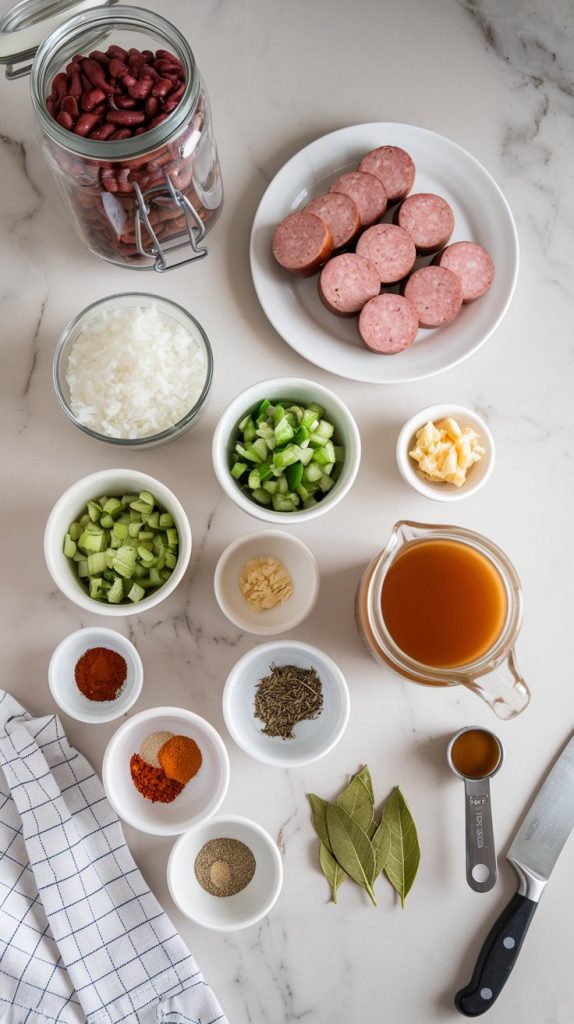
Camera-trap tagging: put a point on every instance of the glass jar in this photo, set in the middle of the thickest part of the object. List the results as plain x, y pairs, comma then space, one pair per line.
135, 200
494, 676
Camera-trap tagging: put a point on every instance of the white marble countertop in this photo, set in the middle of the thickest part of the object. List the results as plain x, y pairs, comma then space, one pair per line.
494, 77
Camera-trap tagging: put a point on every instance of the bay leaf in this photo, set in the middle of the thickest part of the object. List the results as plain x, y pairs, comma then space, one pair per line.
381, 841
332, 870
404, 855
319, 814
357, 799
351, 847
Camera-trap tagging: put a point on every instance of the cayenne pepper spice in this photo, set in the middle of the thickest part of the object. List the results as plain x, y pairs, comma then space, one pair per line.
100, 673
152, 782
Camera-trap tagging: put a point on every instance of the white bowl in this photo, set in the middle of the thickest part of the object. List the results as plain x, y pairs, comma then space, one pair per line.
312, 738
199, 799
73, 503
225, 913
298, 561
63, 685
299, 390
476, 476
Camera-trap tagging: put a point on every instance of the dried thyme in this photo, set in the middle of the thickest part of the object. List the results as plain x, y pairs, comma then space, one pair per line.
289, 694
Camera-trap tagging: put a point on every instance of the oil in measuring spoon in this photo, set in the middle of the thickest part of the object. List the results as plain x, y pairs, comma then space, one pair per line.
443, 602
475, 754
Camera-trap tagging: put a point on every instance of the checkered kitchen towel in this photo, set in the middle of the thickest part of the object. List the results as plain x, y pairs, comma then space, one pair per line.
82, 939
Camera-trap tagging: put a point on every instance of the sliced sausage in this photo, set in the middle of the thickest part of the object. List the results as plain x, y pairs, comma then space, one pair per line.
428, 218
472, 264
301, 243
391, 249
393, 167
347, 282
388, 324
367, 193
436, 294
338, 211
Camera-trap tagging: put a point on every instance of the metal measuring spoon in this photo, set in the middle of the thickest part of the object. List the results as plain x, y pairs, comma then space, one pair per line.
475, 755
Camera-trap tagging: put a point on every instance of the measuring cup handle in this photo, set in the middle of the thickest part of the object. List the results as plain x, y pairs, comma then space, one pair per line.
503, 688
481, 867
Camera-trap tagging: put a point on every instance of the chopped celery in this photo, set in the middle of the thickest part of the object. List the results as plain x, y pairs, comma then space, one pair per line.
117, 541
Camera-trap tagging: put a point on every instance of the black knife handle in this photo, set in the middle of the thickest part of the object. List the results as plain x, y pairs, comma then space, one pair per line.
496, 958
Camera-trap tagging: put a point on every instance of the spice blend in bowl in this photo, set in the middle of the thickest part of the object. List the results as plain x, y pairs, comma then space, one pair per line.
174, 761
225, 873
300, 696
195, 800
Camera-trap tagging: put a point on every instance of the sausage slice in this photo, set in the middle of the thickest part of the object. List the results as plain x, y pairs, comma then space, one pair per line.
301, 243
388, 324
338, 211
436, 294
347, 282
367, 193
391, 249
428, 218
393, 167
472, 264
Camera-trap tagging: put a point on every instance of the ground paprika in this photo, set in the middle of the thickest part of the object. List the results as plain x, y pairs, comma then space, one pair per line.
100, 673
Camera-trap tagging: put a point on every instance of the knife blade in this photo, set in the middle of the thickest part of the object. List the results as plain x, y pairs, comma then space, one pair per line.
533, 854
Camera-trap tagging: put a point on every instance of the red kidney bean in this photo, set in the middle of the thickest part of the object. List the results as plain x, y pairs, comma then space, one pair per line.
124, 102
108, 180
156, 120
122, 178
96, 75
141, 90
69, 106
121, 133
92, 98
128, 80
162, 87
166, 55
75, 89
126, 118
151, 106
104, 131
117, 67
73, 68
60, 85
86, 84
117, 51
141, 130
85, 124
148, 54
65, 120
150, 72
51, 106
166, 68
100, 57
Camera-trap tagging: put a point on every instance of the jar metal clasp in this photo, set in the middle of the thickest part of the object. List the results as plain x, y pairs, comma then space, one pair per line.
194, 226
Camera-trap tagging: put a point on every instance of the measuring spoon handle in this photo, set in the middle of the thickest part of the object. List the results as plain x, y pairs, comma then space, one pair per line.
481, 870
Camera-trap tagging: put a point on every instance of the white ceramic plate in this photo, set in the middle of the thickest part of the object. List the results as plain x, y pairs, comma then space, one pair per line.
482, 215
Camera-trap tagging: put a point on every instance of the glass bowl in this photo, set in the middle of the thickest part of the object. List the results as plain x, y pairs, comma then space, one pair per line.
122, 301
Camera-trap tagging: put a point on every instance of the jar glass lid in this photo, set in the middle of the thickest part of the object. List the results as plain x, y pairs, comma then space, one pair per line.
24, 27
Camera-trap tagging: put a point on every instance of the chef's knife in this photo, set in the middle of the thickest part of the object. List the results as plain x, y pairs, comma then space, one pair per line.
533, 853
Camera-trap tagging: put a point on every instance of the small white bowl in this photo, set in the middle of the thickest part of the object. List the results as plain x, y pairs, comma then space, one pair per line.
63, 685
297, 389
72, 503
313, 738
476, 476
199, 799
225, 913
298, 561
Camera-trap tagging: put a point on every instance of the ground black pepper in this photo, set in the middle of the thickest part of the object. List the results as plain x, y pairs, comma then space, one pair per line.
224, 866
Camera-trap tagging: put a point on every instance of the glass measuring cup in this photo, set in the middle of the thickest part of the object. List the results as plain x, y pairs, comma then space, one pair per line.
494, 675
476, 772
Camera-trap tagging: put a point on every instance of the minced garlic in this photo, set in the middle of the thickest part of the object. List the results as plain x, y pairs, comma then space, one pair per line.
265, 583
445, 451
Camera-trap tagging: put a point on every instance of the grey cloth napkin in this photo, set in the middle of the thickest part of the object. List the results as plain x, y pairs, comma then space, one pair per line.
82, 938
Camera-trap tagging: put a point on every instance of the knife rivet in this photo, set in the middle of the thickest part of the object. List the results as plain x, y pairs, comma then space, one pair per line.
509, 942
486, 993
